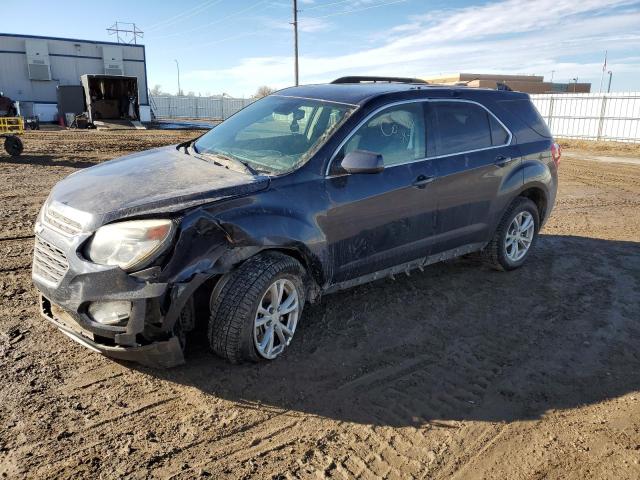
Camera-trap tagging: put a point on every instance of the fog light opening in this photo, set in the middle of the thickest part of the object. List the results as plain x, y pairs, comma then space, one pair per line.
110, 313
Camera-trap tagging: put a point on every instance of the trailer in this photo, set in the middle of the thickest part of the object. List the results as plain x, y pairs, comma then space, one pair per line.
111, 97
10, 128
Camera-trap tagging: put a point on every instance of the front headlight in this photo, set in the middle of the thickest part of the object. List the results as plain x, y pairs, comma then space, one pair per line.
130, 245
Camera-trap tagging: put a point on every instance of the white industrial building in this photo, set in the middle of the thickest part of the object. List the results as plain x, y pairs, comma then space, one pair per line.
32, 67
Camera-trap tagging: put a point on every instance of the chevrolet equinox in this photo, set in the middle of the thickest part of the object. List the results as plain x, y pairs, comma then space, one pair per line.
307, 191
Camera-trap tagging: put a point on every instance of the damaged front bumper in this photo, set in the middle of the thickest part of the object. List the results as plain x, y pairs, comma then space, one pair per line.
69, 284
166, 353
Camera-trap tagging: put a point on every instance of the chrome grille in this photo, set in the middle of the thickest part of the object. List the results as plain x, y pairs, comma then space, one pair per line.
60, 223
49, 262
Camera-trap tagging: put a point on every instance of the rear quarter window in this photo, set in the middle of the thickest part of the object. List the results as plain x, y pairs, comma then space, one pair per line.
499, 136
526, 111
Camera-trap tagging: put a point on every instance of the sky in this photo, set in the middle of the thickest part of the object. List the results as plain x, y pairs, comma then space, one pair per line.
235, 46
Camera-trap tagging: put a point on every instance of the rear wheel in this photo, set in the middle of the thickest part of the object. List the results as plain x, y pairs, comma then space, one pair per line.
255, 313
13, 145
514, 237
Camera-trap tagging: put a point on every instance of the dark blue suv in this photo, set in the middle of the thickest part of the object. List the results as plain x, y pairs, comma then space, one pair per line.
308, 191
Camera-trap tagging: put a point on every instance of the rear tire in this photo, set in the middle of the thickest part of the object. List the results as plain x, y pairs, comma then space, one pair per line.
513, 239
239, 318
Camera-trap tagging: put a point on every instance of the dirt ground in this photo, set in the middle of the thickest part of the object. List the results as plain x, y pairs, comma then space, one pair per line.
458, 372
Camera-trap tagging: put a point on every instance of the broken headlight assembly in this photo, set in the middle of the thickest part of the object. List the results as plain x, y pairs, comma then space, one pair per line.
131, 245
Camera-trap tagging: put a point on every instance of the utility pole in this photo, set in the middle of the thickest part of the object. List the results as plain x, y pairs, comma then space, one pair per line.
178, 67
295, 40
609, 86
552, 72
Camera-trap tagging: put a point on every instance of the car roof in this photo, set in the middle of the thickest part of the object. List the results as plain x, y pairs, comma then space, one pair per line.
359, 93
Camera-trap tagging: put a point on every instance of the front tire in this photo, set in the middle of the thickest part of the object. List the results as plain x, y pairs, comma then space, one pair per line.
255, 313
515, 236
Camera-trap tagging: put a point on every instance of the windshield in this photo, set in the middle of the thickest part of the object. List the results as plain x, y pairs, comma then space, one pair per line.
275, 134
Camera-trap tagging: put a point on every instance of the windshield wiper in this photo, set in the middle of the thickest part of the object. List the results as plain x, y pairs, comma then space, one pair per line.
246, 165
229, 159
189, 144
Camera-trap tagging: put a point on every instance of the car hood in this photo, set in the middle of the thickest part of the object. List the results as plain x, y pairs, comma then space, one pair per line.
159, 180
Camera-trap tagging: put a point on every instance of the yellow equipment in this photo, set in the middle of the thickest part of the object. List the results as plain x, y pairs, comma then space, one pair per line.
10, 128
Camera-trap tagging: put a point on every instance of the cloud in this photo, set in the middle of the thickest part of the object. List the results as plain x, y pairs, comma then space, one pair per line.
519, 36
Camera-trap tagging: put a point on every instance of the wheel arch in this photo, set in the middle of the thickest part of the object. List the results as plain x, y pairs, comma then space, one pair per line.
314, 274
538, 196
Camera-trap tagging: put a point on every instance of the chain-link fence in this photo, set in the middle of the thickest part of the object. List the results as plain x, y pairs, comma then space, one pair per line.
592, 116
212, 108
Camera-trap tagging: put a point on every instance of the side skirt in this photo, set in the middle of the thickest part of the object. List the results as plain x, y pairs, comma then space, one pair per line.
405, 267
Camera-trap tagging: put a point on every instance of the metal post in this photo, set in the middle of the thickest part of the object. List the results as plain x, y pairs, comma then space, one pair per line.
604, 67
178, 67
601, 120
295, 40
550, 114
609, 86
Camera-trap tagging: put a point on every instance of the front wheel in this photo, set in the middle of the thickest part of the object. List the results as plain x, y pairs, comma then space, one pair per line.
255, 313
515, 236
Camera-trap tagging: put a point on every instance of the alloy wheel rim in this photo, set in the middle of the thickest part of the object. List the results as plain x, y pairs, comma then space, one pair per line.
519, 236
276, 318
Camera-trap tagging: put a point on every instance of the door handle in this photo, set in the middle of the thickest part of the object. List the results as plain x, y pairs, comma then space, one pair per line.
422, 181
502, 161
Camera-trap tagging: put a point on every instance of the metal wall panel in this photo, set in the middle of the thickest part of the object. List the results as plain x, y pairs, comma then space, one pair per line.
69, 60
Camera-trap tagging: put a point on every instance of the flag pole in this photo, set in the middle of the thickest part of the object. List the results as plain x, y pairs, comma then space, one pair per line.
604, 68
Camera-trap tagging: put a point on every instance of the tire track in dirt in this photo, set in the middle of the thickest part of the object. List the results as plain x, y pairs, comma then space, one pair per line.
478, 365
22, 237
237, 446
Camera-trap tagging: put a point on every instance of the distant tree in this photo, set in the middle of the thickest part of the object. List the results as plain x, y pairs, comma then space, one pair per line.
191, 93
263, 91
156, 90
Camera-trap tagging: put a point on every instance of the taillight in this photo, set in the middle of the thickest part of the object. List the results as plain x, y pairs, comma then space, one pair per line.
556, 153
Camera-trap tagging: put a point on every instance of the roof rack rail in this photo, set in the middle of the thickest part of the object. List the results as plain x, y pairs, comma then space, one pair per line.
363, 79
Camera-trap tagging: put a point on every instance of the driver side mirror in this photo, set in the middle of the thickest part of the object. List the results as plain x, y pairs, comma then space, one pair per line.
363, 161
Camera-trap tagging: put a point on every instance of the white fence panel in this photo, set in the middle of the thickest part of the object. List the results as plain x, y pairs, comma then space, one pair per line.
213, 108
592, 116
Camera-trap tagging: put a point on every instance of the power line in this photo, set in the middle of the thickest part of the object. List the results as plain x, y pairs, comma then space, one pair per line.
358, 9
171, 18
323, 5
184, 15
219, 40
220, 20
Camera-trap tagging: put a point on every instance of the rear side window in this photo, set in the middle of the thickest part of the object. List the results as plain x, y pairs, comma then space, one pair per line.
463, 126
527, 112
